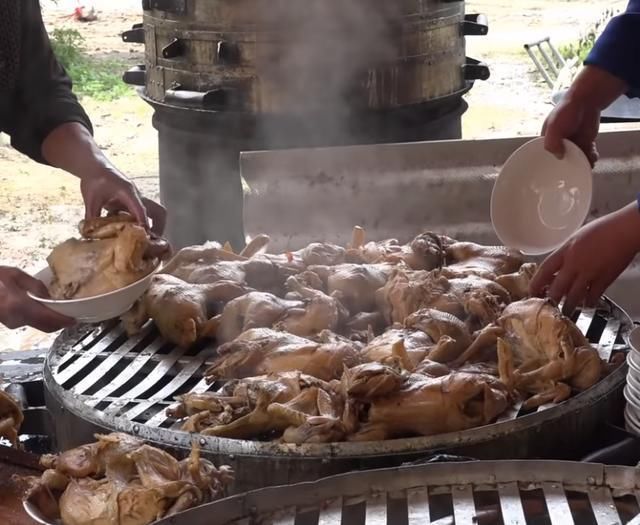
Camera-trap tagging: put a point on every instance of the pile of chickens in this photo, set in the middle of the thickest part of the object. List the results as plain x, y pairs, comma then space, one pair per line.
372, 341
113, 252
119, 480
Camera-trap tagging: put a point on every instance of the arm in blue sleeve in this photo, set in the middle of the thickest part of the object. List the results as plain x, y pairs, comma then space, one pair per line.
618, 48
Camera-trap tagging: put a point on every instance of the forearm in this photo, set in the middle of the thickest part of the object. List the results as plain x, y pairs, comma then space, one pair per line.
72, 148
596, 88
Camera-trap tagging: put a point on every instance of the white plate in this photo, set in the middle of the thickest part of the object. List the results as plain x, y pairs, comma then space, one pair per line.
538, 201
99, 308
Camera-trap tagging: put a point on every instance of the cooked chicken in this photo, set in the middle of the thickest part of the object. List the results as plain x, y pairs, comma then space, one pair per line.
264, 351
11, 418
471, 298
253, 310
372, 380
374, 340
517, 283
451, 335
356, 284
426, 406
317, 313
210, 263
315, 416
121, 481
181, 311
467, 258
542, 352
111, 255
239, 409
425, 252
384, 349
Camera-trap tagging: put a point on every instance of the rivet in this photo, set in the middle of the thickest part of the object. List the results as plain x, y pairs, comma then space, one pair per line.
591, 480
325, 461
460, 489
232, 457
203, 442
136, 429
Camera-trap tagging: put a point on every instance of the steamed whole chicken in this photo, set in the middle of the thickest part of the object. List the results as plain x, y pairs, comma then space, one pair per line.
261, 351
113, 252
374, 340
241, 409
184, 313
119, 480
542, 352
423, 406
473, 299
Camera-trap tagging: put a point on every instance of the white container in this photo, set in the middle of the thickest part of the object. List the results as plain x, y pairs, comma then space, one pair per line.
538, 201
632, 388
99, 308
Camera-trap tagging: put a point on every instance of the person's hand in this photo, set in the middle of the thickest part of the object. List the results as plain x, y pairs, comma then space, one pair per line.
110, 190
575, 121
577, 116
590, 261
18, 309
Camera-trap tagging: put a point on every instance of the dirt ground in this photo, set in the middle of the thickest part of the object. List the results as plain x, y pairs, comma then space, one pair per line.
39, 206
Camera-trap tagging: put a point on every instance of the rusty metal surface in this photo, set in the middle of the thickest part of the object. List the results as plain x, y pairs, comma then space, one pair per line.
98, 380
513, 492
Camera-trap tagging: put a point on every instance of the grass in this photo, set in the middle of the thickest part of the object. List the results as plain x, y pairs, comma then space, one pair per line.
583, 46
100, 79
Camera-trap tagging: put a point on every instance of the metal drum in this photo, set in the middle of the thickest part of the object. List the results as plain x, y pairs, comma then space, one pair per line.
282, 56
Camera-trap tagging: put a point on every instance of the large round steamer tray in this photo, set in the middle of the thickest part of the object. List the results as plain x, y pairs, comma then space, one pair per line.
99, 380
482, 492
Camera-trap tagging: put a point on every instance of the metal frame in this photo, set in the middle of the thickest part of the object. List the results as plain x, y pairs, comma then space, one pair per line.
409, 495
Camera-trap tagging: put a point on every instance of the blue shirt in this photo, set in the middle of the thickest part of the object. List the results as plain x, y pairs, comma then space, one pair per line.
618, 48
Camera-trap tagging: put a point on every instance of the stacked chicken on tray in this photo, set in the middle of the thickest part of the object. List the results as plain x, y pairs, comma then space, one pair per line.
372, 341
120, 480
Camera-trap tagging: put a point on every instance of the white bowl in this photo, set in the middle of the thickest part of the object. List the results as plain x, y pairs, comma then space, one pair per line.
100, 307
538, 201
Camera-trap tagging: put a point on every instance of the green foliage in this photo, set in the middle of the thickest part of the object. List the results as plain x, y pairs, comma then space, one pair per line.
580, 49
94, 77
583, 46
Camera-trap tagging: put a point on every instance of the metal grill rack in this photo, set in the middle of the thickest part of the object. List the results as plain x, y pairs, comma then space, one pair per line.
485, 493
100, 377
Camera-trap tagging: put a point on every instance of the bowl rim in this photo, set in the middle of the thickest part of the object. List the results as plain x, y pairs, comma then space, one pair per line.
42, 300
589, 187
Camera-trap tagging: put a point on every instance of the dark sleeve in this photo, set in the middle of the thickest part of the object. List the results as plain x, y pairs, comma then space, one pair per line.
43, 99
618, 48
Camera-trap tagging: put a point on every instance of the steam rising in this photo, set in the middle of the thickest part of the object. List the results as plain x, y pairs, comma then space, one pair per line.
331, 50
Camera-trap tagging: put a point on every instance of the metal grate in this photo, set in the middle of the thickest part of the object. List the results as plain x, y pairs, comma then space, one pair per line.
487, 492
138, 378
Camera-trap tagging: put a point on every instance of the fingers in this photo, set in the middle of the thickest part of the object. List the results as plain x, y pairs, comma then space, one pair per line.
18, 309
92, 208
561, 285
30, 284
576, 296
158, 215
42, 318
595, 292
553, 139
545, 274
133, 204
